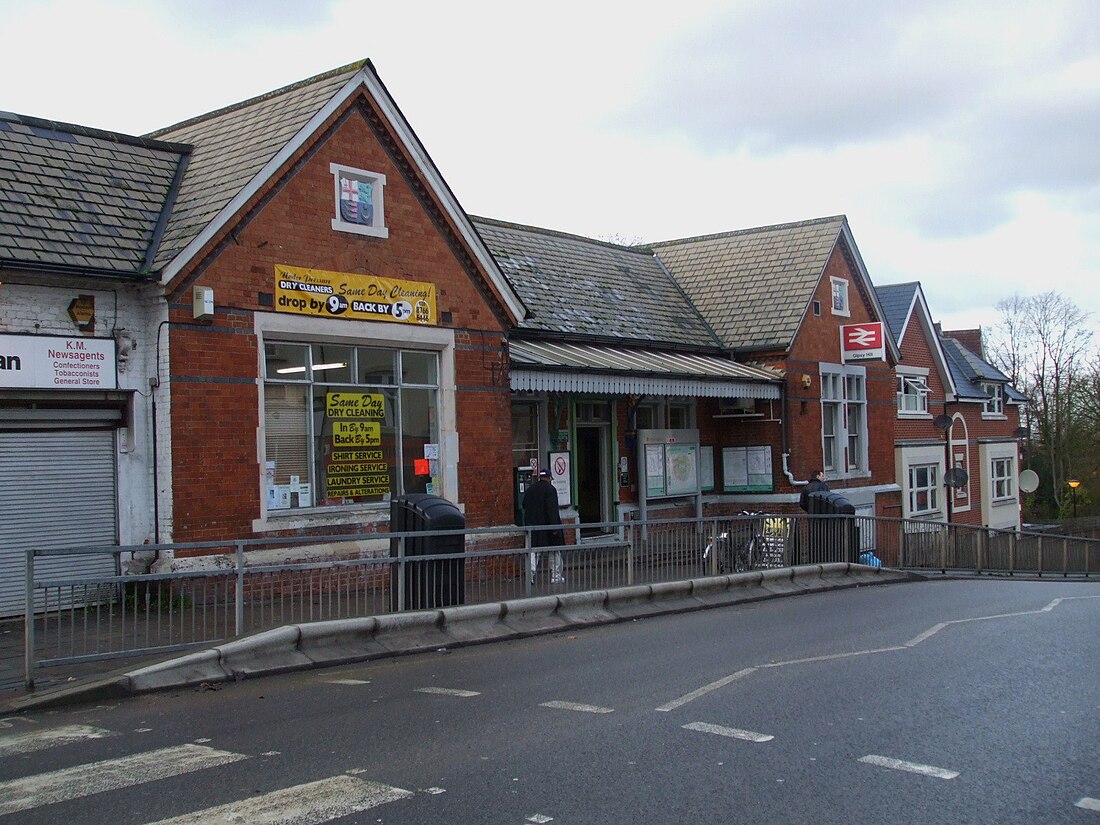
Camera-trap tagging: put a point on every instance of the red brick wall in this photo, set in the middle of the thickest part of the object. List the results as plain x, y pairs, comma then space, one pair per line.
818, 341
214, 366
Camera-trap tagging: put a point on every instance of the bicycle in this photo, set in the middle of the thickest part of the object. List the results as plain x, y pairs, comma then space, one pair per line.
739, 545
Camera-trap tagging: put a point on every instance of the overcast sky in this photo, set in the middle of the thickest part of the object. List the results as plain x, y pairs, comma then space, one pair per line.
961, 138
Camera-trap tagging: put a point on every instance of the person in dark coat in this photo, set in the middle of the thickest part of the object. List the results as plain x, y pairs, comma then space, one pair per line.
816, 484
540, 507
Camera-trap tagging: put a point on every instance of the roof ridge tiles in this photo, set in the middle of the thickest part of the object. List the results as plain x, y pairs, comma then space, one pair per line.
346, 69
142, 141
749, 231
556, 233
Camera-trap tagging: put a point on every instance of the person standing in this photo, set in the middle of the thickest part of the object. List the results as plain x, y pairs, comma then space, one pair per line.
816, 484
540, 508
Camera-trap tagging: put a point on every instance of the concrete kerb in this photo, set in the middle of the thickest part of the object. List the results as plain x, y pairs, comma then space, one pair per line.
299, 647
585, 608
532, 616
411, 632
468, 624
340, 640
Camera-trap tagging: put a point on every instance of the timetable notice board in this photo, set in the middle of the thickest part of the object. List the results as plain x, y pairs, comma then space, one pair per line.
670, 462
747, 469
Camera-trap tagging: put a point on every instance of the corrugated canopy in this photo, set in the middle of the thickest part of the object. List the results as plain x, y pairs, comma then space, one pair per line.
555, 367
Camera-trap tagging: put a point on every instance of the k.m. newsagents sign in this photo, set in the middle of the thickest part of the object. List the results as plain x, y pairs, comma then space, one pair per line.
57, 362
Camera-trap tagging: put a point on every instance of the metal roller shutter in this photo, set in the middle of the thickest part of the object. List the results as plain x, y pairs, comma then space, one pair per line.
57, 489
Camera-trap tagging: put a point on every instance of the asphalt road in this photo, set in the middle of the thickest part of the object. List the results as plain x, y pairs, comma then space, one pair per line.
952, 702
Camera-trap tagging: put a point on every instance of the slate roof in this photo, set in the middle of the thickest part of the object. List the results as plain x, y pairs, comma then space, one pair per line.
575, 286
80, 198
969, 372
753, 286
232, 145
896, 301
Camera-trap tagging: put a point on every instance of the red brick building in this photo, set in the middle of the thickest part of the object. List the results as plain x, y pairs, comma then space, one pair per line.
956, 438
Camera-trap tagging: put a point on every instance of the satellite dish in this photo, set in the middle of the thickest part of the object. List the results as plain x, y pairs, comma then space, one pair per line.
956, 477
943, 422
1022, 432
1029, 481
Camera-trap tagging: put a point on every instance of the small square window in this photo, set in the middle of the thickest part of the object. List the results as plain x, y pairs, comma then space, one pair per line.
360, 206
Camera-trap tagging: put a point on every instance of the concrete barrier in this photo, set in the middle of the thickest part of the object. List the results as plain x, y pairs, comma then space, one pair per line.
190, 669
585, 608
476, 623
530, 616
316, 644
340, 640
273, 651
411, 632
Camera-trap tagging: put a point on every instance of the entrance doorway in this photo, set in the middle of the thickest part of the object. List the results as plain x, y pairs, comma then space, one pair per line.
591, 457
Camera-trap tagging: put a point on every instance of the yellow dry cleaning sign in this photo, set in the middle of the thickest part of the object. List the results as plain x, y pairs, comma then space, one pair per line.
326, 294
355, 405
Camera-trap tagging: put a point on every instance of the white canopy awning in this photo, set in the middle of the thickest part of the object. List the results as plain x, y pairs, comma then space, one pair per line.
538, 366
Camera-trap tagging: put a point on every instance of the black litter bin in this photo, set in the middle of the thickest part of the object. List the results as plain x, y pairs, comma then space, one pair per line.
432, 582
834, 535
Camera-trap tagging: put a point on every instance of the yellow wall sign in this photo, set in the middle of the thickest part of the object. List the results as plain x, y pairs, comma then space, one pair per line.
355, 405
349, 295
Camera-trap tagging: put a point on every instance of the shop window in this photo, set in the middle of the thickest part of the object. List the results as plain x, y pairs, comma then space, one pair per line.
923, 489
844, 419
341, 429
360, 206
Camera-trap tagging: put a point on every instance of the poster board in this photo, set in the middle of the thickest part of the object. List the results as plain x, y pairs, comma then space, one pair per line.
670, 462
747, 469
706, 468
560, 476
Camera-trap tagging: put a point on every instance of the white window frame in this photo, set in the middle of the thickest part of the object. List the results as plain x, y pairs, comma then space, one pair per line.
913, 393
377, 228
1002, 478
931, 488
844, 405
1000, 501
838, 297
994, 406
907, 459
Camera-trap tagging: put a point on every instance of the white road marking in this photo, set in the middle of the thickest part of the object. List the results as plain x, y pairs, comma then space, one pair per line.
928, 634
108, 775
308, 804
348, 681
435, 791
732, 733
465, 694
911, 767
576, 706
703, 691
540, 819
830, 656
1088, 803
40, 740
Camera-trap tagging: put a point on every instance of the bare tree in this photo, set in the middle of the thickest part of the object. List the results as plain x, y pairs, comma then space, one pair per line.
1043, 343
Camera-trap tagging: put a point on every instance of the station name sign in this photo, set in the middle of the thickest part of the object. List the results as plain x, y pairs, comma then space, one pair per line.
57, 362
863, 342
325, 294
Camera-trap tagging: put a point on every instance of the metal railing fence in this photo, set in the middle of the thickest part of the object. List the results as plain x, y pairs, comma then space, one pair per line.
94, 618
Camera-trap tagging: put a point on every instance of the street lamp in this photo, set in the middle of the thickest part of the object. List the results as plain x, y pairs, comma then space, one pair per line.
1073, 485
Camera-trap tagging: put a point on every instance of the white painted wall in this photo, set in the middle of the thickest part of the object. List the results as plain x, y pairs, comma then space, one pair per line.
35, 308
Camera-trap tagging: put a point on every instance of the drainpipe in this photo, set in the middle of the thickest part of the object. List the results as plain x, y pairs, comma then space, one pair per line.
783, 438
